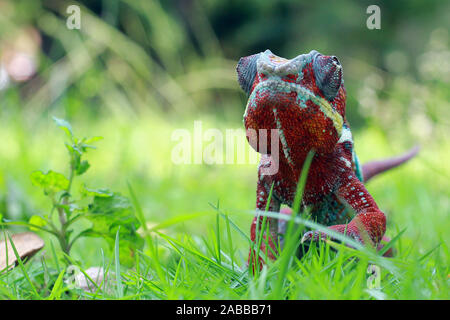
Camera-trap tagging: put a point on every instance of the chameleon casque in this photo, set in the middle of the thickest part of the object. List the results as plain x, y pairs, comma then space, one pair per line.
304, 98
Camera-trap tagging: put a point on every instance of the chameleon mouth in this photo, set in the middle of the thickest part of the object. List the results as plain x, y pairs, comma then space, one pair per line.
303, 95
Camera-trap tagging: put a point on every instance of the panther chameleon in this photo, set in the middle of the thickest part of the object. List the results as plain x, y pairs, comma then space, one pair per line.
304, 99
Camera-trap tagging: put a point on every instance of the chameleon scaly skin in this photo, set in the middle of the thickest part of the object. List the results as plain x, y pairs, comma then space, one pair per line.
304, 98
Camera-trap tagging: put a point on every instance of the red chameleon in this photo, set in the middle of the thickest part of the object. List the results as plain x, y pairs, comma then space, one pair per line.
304, 99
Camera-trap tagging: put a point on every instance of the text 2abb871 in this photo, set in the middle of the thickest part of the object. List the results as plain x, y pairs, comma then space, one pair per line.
245, 309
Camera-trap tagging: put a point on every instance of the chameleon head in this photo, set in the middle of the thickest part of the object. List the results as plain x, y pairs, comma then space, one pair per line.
304, 97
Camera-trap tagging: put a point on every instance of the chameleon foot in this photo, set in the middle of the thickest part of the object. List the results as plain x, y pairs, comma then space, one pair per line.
350, 232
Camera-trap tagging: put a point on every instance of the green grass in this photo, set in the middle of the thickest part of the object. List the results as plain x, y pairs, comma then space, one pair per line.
188, 268
202, 254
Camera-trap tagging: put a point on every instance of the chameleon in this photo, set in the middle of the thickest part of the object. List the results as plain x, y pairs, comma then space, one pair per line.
304, 99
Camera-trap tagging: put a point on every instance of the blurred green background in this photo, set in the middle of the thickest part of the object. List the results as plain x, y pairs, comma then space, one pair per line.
138, 70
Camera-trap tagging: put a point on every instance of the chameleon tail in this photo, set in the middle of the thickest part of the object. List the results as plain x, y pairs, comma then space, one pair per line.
373, 168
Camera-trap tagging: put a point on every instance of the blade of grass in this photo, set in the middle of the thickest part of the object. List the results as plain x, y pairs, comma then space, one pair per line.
55, 257
260, 233
7, 294
140, 215
152, 246
293, 237
56, 291
219, 258
178, 244
119, 284
429, 252
6, 253
234, 225
391, 243
230, 240
22, 268
28, 225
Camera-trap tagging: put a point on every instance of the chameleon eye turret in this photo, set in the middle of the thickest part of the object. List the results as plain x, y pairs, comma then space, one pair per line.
328, 74
246, 70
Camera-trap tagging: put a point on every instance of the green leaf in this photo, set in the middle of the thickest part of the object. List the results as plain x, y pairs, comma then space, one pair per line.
82, 167
75, 155
73, 149
84, 147
63, 124
112, 211
93, 139
51, 181
109, 212
37, 221
84, 144
102, 192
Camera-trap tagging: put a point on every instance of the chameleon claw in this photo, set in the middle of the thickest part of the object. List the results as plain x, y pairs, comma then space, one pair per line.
315, 236
312, 236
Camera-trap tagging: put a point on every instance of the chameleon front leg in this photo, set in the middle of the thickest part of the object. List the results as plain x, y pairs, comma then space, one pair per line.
271, 238
369, 224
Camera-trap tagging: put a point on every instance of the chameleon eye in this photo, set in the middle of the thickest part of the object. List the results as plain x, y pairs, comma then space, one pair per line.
246, 70
328, 74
